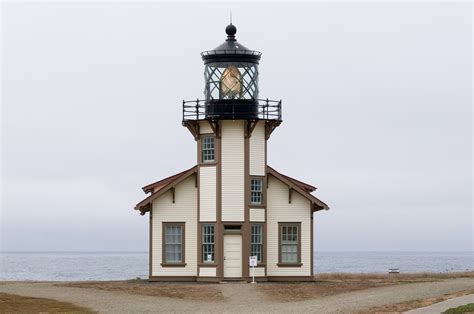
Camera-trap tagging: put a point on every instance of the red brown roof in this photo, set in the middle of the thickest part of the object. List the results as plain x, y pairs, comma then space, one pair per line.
153, 187
302, 185
159, 187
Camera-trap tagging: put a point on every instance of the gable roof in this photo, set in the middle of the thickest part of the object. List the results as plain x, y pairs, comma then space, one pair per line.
160, 187
150, 188
302, 185
303, 188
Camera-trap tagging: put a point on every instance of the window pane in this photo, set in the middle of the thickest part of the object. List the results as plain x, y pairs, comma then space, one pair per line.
257, 241
173, 243
208, 148
208, 243
256, 191
289, 244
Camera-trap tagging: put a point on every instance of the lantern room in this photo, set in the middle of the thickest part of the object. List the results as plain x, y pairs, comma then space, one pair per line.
231, 70
231, 85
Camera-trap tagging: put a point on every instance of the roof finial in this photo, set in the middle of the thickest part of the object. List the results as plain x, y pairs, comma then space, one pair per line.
231, 30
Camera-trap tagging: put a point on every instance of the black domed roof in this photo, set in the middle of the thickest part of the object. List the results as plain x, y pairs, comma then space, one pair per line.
231, 50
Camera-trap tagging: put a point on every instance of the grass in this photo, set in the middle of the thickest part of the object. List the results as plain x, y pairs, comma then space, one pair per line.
11, 303
194, 291
414, 304
468, 308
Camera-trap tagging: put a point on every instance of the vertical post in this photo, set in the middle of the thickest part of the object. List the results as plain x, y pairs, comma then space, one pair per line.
266, 105
253, 274
183, 109
279, 110
197, 109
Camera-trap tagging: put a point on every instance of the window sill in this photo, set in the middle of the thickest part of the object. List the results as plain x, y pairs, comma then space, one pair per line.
207, 264
173, 264
290, 265
208, 163
257, 205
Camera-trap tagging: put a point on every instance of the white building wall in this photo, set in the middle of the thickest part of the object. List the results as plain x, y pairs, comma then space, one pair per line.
257, 214
279, 210
257, 150
183, 210
207, 271
205, 128
233, 187
259, 271
207, 193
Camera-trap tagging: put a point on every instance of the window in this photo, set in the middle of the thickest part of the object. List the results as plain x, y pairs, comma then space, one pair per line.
256, 191
208, 243
257, 242
173, 243
208, 149
290, 243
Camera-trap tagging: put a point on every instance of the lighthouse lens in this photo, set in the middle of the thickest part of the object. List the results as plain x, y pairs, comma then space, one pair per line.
231, 83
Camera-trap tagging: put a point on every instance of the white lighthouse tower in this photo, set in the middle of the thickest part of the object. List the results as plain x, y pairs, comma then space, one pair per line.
207, 221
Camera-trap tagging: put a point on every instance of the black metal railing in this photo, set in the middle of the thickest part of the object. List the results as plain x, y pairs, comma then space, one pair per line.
262, 109
231, 52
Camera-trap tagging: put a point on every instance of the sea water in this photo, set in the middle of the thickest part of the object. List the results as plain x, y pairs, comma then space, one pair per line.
77, 266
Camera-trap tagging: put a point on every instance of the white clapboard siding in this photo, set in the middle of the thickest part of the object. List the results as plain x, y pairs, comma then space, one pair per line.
257, 150
257, 214
205, 128
233, 190
279, 210
207, 193
259, 271
207, 272
183, 210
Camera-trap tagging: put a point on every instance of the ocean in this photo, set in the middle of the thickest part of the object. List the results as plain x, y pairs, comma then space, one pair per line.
78, 266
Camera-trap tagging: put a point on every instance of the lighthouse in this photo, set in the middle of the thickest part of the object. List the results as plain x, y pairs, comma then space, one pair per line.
208, 221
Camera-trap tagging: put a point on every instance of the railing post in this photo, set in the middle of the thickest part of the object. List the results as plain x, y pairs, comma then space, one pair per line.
279, 110
266, 104
183, 109
197, 109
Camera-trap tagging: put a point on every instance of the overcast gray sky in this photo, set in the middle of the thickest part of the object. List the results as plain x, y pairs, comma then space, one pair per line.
376, 108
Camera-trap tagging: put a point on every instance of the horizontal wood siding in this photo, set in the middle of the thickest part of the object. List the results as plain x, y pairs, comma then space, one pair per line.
257, 150
207, 193
257, 214
207, 272
233, 189
184, 209
259, 271
279, 210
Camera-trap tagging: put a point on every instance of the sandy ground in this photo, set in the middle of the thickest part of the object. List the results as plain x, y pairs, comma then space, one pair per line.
238, 298
445, 305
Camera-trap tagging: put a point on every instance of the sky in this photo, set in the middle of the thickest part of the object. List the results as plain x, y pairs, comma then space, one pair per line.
377, 113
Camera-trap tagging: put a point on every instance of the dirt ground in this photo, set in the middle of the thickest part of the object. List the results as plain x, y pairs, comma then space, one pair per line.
195, 291
335, 294
10, 303
325, 285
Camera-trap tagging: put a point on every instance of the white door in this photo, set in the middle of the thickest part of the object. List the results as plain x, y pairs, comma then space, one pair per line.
232, 255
